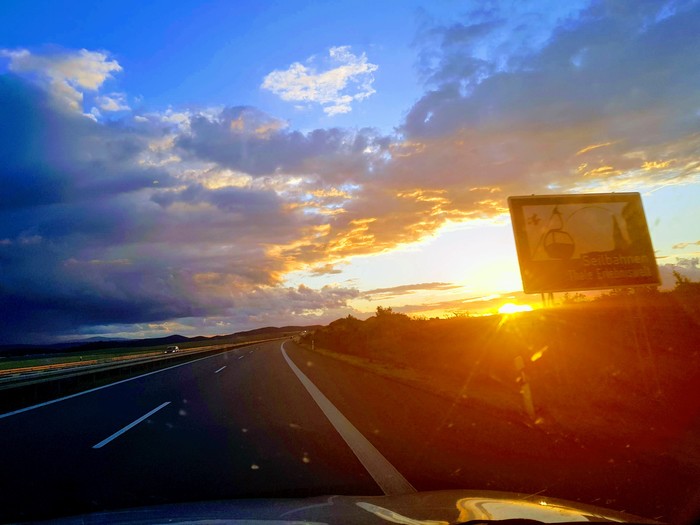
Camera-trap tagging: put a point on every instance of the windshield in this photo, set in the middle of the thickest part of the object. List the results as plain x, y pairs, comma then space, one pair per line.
315, 249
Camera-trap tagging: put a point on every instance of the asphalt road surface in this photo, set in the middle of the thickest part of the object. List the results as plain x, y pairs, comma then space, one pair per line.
233, 425
275, 420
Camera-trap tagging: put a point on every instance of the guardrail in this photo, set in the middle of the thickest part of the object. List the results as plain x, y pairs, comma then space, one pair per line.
24, 371
37, 386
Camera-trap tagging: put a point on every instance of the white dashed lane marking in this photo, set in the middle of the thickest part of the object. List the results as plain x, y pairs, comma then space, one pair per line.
130, 426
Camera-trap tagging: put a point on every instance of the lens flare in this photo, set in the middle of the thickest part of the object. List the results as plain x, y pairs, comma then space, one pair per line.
511, 308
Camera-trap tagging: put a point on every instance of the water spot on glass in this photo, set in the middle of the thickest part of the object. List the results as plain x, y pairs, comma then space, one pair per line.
244, 430
182, 412
309, 363
254, 467
306, 458
294, 426
375, 431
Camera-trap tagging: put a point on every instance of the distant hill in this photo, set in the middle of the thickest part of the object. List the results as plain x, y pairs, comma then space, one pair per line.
132, 343
275, 330
98, 339
106, 343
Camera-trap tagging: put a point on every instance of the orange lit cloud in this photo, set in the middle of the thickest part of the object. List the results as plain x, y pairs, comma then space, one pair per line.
394, 291
592, 147
682, 245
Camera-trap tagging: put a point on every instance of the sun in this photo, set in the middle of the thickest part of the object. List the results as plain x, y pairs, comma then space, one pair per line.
511, 308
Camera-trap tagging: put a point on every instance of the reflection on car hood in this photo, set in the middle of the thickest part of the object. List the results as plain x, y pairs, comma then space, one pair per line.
423, 508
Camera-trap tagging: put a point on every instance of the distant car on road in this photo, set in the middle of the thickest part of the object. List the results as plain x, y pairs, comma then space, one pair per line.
172, 349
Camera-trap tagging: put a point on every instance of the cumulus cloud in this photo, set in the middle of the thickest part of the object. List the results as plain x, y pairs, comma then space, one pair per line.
248, 140
349, 78
687, 267
68, 73
113, 102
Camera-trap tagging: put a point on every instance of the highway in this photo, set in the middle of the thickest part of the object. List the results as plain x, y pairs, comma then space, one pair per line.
232, 425
276, 420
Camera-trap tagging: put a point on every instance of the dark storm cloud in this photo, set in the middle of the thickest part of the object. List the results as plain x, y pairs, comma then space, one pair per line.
73, 222
50, 155
91, 234
53, 296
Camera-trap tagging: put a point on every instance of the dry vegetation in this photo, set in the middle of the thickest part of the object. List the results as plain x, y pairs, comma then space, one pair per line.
621, 370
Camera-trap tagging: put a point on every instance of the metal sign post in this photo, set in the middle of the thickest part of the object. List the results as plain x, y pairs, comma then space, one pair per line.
581, 242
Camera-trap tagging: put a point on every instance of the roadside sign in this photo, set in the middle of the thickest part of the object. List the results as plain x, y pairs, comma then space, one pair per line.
582, 242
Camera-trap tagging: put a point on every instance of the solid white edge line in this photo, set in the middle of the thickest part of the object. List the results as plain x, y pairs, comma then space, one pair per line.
389, 479
220, 369
58, 400
130, 426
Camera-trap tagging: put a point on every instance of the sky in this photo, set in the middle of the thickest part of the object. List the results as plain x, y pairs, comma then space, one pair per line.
203, 168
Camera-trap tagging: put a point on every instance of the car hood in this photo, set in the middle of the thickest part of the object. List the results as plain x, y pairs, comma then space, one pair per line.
423, 508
